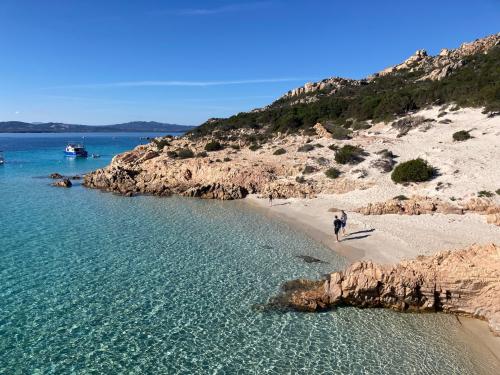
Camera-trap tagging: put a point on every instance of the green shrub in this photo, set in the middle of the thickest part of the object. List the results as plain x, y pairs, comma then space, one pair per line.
172, 154
333, 147
337, 131
461, 135
161, 143
308, 169
300, 179
340, 133
185, 153
332, 173
360, 125
213, 146
349, 154
201, 154
484, 194
305, 148
498, 191
416, 170
227, 159
254, 147
318, 145
235, 147
279, 151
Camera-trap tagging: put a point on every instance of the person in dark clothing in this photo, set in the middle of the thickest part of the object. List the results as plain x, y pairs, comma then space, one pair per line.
337, 224
270, 199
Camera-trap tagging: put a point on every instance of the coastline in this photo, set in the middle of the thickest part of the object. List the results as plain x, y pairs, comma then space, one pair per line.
313, 218
383, 239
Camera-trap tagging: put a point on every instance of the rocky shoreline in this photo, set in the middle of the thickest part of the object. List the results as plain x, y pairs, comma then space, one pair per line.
464, 282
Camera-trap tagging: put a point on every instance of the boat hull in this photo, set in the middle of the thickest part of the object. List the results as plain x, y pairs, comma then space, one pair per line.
81, 154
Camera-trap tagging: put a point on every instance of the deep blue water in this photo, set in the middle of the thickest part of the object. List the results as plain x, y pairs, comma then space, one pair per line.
96, 283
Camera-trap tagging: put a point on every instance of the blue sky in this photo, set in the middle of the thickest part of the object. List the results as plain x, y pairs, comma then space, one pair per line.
102, 62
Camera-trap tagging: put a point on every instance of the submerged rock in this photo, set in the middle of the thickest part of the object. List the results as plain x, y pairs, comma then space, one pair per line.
56, 176
465, 282
66, 183
309, 259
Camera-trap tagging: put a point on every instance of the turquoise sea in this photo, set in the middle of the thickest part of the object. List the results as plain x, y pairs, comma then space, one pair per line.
94, 283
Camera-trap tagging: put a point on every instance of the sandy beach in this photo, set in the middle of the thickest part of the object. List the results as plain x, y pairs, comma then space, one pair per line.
381, 238
388, 238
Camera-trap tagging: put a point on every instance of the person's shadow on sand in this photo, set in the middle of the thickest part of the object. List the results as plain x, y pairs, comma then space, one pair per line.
354, 238
348, 237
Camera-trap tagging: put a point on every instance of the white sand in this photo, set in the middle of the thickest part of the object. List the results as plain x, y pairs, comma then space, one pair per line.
384, 238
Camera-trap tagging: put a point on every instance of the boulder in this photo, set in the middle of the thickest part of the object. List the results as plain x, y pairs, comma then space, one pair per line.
321, 131
493, 219
65, 183
56, 176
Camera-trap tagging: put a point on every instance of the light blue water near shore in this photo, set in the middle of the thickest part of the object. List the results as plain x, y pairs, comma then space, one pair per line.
95, 283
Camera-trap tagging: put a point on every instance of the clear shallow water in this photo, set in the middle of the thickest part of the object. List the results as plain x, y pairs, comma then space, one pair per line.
96, 283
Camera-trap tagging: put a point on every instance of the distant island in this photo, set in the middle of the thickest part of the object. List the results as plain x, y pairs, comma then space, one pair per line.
56, 127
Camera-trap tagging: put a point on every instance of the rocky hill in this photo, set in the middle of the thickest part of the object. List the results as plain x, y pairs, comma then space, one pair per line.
467, 76
428, 67
455, 150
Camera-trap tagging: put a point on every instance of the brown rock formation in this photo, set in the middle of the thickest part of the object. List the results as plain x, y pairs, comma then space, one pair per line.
481, 205
493, 219
465, 282
321, 131
145, 171
440, 66
415, 205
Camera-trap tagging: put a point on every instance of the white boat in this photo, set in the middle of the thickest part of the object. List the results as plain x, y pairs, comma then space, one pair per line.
75, 150
2, 159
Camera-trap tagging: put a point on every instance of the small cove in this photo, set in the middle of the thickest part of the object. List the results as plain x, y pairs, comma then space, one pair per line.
97, 283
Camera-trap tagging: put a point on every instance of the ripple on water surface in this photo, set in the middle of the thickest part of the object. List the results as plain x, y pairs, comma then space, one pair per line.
95, 283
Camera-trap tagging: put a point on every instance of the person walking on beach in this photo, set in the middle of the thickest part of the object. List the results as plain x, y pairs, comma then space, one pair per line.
337, 224
270, 199
343, 220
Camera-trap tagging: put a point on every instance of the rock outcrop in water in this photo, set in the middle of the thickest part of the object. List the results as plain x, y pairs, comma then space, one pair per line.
230, 173
465, 282
65, 183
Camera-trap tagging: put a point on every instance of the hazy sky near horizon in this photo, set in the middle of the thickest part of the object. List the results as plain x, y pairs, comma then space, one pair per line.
102, 62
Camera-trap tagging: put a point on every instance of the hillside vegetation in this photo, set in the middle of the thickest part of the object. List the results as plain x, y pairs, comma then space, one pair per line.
475, 84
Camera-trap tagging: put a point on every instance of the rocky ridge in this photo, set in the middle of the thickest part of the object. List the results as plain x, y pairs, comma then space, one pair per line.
464, 282
430, 67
